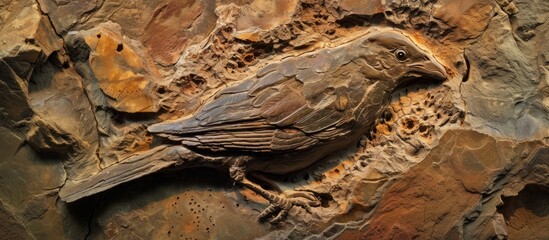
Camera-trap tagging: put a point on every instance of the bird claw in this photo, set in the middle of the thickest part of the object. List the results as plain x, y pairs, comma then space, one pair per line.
281, 205
237, 173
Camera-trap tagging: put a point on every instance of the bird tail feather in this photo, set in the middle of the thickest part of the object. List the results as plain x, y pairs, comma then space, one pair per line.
126, 170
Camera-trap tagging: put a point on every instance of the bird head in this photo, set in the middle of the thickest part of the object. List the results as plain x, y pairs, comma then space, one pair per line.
392, 55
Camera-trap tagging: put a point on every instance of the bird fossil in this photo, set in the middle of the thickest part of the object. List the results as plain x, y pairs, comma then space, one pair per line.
293, 113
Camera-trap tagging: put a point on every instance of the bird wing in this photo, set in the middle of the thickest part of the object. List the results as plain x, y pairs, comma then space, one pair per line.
292, 105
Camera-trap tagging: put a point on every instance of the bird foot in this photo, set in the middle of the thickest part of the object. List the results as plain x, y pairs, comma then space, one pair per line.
281, 205
237, 173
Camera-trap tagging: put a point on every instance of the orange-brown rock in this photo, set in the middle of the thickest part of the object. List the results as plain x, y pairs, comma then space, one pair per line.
265, 14
435, 198
123, 74
171, 29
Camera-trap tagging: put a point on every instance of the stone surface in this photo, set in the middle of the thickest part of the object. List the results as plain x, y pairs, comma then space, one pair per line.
173, 26
80, 82
122, 74
467, 164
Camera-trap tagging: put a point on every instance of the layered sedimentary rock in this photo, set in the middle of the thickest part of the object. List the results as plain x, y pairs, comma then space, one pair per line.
80, 82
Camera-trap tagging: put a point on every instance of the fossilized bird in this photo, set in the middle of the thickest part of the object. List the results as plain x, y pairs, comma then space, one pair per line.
295, 112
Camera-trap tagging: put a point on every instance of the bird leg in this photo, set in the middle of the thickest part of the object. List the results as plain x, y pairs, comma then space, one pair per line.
279, 204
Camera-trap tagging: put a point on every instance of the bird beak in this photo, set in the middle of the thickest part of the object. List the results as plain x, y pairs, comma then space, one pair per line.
430, 68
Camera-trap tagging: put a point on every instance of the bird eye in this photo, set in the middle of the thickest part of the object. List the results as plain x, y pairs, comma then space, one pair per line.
401, 55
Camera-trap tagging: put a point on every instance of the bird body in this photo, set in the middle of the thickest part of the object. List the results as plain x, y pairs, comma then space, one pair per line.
293, 113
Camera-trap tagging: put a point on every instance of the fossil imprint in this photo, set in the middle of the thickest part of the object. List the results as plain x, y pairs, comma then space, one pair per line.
285, 118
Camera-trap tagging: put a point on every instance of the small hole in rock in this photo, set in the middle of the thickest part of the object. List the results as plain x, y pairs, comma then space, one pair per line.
162, 90
325, 199
99, 35
388, 116
409, 124
120, 47
30, 41
249, 58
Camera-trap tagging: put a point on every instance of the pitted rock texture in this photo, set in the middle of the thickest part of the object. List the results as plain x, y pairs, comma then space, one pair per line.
80, 82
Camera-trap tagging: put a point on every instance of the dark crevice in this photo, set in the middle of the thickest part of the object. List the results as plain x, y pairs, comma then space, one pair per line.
91, 217
533, 197
352, 20
49, 20
467, 70
358, 20
78, 50
325, 198
93, 110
